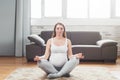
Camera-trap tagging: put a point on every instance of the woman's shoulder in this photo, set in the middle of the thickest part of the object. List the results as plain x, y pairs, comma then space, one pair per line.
49, 40
68, 40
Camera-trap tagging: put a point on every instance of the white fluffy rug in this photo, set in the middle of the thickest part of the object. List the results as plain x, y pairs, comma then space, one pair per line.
79, 73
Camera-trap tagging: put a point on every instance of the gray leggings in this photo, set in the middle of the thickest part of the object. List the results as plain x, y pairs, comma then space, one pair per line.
50, 69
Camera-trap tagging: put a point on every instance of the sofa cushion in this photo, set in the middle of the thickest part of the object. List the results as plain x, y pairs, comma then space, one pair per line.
37, 39
73, 46
90, 52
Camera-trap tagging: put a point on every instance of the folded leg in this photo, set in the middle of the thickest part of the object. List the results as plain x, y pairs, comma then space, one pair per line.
46, 66
67, 68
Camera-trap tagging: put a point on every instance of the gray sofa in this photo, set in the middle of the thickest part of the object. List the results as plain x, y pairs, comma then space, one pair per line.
89, 43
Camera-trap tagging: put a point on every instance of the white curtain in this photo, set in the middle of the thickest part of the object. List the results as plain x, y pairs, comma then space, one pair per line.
22, 26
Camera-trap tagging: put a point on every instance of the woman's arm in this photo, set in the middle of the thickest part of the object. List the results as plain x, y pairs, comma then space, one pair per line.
47, 52
70, 54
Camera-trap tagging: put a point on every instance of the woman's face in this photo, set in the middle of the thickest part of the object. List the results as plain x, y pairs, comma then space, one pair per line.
59, 30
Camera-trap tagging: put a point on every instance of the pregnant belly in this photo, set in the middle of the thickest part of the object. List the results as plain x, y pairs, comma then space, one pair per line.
58, 60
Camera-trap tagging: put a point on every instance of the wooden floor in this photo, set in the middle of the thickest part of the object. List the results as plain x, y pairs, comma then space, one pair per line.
9, 64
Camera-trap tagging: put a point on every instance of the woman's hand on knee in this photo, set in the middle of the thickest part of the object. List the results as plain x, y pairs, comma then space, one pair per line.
37, 58
79, 55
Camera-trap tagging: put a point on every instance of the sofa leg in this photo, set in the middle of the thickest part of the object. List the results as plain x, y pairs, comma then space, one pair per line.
30, 60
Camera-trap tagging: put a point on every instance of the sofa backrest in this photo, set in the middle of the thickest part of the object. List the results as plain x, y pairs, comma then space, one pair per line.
84, 37
76, 37
48, 34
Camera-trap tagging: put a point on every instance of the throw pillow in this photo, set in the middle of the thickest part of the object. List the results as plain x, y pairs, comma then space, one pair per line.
106, 42
37, 39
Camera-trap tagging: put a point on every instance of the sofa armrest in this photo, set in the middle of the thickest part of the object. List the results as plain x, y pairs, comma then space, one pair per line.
106, 42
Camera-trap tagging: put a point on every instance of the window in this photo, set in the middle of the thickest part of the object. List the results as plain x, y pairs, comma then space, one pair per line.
88, 8
99, 8
77, 8
117, 8
35, 8
53, 8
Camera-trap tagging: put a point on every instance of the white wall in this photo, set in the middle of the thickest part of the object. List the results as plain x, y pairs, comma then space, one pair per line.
52, 21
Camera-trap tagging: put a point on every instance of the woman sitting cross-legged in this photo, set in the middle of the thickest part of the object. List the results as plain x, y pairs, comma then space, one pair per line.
59, 51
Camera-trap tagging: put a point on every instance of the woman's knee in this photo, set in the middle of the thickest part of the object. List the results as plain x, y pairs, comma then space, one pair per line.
42, 62
74, 60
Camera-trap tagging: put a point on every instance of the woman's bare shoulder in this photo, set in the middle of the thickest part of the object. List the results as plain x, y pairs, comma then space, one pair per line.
68, 40
49, 40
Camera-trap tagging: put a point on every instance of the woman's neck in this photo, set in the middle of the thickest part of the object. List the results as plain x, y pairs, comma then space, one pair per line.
59, 37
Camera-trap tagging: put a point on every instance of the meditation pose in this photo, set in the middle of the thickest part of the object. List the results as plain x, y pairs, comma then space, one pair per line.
59, 52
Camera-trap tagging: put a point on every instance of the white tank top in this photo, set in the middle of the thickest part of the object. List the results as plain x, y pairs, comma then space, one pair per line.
58, 55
